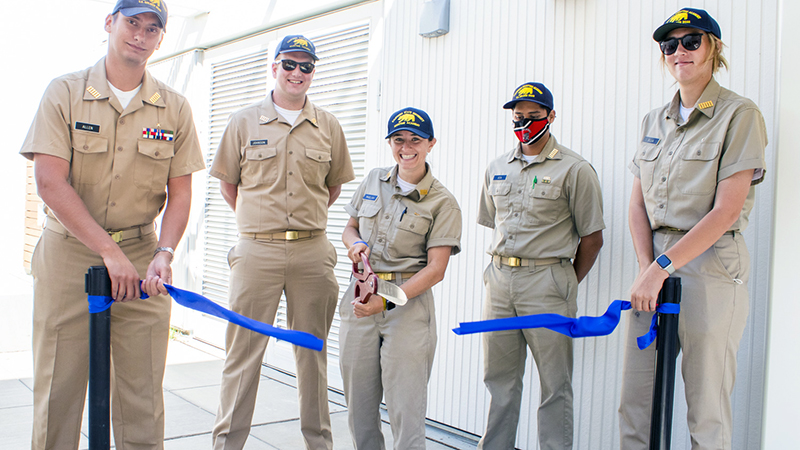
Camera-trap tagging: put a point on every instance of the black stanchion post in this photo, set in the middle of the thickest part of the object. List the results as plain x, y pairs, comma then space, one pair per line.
98, 283
666, 354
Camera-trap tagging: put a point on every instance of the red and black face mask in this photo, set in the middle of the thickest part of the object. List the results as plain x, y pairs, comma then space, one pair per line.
529, 131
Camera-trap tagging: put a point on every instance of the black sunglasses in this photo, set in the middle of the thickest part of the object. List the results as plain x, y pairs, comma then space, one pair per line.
289, 65
690, 42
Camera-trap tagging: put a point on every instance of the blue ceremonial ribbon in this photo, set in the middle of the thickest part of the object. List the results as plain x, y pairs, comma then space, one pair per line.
584, 326
665, 308
197, 302
99, 303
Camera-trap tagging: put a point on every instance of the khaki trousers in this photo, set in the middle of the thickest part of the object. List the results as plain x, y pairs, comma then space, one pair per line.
714, 309
260, 271
139, 337
387, 354
520, 291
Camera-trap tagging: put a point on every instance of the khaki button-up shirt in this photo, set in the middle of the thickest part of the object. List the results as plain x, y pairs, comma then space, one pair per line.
680, 164
540, 209
400, 229
282, 170
120, 160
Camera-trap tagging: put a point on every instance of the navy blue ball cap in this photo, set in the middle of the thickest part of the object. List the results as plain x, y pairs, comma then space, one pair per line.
531, 92
296, 43
133, 7
414, 120
688, 18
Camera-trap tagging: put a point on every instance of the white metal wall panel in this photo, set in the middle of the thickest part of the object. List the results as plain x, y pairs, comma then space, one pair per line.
599, 60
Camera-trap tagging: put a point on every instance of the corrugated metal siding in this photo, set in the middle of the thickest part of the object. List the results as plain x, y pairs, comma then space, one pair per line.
599, 60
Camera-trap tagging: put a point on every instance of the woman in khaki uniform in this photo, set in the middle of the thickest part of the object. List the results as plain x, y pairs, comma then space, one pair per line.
409, 225
696, 164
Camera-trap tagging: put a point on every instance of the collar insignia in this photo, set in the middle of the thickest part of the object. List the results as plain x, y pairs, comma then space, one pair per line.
552, 153
155, 97
705, 105
91, 90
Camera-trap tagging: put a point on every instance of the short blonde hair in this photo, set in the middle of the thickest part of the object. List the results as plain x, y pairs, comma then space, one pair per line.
714, 54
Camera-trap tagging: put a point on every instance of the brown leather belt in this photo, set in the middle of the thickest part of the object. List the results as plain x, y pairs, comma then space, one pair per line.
391, 276
523, 262
283, 235
117, 235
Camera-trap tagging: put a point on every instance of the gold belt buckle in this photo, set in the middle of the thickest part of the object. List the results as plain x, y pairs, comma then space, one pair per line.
387, 276
292, 235
513, 261
116, 236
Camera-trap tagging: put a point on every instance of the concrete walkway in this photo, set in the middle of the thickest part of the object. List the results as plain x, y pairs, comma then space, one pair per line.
191, 396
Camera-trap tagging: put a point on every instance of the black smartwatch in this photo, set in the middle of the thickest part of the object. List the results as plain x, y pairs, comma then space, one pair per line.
665, 263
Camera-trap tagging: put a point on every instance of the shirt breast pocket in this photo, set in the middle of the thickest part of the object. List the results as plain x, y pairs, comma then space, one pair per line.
646, 159
151, 170
410, 239
544, 207
697, 169
499, 191
260, 166
367, 219
89, 158
315, 166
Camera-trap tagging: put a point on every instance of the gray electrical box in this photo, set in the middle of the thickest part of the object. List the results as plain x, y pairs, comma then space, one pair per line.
434, 20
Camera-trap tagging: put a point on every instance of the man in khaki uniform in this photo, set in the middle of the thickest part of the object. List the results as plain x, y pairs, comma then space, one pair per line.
544, 203
281, 164
110, 146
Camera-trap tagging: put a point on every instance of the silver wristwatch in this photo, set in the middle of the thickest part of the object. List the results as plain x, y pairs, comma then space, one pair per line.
169, 250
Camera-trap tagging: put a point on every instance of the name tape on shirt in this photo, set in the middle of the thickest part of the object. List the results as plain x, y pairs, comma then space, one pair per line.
258, 142
499, 177
158, 134
87, 127
651, 140
370, 197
